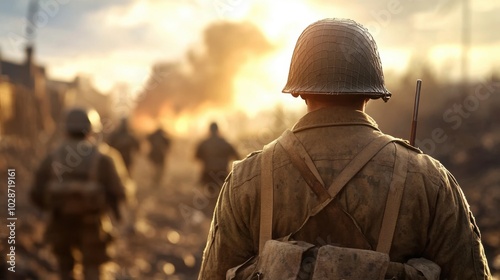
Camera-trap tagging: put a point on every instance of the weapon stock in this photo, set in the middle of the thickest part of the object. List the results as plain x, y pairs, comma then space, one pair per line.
413, 134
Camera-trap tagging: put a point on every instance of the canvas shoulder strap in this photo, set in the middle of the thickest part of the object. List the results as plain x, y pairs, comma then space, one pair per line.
301, 160
266, 195
299, 155
393, 202
304, 163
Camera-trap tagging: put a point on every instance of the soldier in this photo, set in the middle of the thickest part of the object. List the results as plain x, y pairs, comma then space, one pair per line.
79, 184
336, 69
159, 147
123, 141
214, 153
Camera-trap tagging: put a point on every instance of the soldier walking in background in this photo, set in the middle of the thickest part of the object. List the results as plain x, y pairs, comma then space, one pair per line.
124, 142
159, 147
335, 179
80, 184
215, 153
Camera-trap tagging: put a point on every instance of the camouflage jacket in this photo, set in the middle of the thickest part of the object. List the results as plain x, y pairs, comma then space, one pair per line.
434, 222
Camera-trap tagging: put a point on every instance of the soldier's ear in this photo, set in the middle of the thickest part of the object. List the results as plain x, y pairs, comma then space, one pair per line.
295, 95
304, 98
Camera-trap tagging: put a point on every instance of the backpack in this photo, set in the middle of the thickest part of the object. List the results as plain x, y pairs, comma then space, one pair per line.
77, 197
295, 259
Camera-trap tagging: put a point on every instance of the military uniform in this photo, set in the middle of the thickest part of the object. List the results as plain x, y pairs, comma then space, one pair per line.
434, 221
215, 153
85, 232
125, 143
160, 144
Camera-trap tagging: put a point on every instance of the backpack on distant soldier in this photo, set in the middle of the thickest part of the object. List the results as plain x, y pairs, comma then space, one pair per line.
77, 197
294, 259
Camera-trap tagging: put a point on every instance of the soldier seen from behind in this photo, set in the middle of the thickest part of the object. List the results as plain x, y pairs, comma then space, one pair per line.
215, 153
80, 184
357, 203
159, 146
123, 140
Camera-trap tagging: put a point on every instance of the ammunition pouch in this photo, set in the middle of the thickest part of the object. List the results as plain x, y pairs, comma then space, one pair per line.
299, 260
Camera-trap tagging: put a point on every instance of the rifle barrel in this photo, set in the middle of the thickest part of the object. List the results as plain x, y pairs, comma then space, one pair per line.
414, 122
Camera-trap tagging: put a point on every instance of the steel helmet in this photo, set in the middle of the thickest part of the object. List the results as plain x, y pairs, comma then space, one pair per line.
336, 57
214, 128
79, 120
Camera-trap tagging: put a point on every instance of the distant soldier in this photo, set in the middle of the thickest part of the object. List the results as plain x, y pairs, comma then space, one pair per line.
159, 147
80, 183
124, 141
215, 153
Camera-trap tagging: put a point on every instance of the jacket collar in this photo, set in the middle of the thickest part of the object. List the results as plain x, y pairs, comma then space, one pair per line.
334, 117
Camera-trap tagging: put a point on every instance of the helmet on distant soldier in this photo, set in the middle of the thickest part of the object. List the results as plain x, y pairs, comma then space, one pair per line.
336, 57
82, 121
214, 128
123, 124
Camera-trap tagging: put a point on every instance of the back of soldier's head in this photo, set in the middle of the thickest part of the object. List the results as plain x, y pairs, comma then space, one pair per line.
80, 122
123, 124
214, 128
336, 57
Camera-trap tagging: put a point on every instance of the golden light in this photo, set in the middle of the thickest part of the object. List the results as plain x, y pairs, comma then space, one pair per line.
189, 260
143, 124
173, 237
443, 55
143, 264
395, 59
259, 83
182, 124
143, 227
169, 269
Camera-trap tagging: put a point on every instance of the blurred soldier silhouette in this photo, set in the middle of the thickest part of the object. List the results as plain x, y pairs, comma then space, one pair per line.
79, 184
124, 142
159, 146
214, 153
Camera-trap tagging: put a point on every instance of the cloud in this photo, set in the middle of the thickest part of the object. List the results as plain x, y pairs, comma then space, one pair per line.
153, 30
104, 39
59, 25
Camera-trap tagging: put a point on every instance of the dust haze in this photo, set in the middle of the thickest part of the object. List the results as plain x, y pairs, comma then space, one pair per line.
204, 77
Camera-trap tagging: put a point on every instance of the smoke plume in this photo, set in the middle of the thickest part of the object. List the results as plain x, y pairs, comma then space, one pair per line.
203, 78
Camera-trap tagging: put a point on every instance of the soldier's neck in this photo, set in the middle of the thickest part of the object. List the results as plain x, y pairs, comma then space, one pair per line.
313, 105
